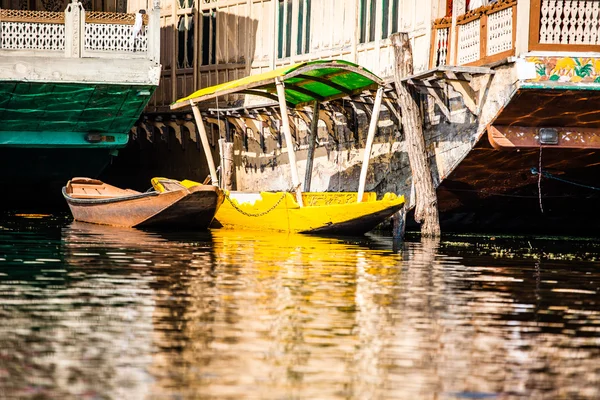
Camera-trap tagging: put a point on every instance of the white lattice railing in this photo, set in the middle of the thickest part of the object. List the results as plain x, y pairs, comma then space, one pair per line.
115, 37
76, 33
469, 42
32, 36
500, 31
569, 22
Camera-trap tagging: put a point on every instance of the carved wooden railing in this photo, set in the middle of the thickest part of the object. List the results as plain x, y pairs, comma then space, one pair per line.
565, 25
440, 42
482, 36
32, 30
77, 33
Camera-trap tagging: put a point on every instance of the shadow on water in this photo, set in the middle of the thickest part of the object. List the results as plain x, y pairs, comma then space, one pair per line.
89, 311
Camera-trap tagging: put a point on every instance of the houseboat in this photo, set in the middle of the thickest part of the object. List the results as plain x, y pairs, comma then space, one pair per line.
508, 93
74, 79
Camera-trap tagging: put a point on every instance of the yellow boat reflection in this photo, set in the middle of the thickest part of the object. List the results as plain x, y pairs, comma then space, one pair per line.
272, 252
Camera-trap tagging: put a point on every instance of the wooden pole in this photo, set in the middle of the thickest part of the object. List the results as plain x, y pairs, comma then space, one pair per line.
314, 124
288, 140
426, 212
227, 169
205, 144
369, 145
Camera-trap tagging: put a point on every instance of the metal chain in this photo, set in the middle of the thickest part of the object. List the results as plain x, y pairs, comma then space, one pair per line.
260, 214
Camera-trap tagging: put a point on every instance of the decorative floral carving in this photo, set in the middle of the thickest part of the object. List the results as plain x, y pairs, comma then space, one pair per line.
43, 17
101, 17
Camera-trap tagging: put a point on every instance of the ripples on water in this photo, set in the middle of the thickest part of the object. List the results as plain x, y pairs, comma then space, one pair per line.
96, 312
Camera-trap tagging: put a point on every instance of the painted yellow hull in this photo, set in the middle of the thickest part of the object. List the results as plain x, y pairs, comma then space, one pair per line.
326, 213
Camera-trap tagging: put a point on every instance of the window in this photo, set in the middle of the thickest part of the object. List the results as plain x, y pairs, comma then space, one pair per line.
303, 39
390, 16
285, 27
284, 36
367, 20
185, 45
209, 37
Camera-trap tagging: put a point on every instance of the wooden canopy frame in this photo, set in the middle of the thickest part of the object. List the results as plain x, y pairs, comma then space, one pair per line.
296, 86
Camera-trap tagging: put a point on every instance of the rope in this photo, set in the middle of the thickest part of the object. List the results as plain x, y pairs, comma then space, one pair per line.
260, 214
534, 171
540, 180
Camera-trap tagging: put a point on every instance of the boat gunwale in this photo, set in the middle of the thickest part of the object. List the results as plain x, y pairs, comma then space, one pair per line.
109, 200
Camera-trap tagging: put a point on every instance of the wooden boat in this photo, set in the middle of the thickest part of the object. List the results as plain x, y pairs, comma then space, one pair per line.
323, 213
312, 82
176, 206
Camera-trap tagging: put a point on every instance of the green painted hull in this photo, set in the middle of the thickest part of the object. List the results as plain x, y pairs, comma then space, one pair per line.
51, 132
69, 115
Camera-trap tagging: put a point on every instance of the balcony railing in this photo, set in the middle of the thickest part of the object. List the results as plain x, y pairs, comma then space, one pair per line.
489, 33
482, 36
77, 33
560, 25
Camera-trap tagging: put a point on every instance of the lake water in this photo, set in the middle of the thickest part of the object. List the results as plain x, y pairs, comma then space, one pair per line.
92, 312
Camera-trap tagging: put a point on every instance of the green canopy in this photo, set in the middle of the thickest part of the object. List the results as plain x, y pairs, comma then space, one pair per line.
304, 82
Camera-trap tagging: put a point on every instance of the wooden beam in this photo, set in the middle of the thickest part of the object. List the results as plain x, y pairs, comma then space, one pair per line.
369, 144
467, 93
289, 140
306, 92
312, 141
324, 81
205, 144
227, 167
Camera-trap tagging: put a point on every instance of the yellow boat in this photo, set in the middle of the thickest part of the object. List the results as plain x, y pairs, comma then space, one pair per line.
324, 213
314, 82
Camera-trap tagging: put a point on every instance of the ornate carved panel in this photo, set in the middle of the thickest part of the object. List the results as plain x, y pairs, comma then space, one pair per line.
21, 35
500, 31
114, 37
469, 42
569, 22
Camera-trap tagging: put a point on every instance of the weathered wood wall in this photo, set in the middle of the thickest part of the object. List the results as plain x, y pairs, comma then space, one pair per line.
206, 42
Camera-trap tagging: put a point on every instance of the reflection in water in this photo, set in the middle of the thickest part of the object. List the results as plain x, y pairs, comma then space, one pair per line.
97, 312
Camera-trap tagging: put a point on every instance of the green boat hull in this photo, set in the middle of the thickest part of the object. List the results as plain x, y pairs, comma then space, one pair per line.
51, 132
69, 115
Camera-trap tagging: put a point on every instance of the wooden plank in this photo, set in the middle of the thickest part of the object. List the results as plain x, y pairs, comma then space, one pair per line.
314, 125
289, 140
534, 24
369, 145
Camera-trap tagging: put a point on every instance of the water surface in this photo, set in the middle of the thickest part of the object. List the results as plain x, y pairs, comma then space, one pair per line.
92, 312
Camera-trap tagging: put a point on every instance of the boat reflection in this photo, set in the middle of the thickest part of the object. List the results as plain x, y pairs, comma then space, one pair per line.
120, 313
279, 311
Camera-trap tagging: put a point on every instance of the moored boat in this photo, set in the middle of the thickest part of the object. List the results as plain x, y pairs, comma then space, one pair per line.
176, 206
322, 213
302, 211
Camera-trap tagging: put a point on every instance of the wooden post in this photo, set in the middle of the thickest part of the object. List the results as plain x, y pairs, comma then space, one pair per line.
369, 144
205, 144
288, 140
314, 126
426, 211
227, 168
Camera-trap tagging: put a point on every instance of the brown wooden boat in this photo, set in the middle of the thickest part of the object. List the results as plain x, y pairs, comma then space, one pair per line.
94, 201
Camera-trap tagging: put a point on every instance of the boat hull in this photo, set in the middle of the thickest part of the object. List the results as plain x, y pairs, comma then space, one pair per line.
192, 209
323, 213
